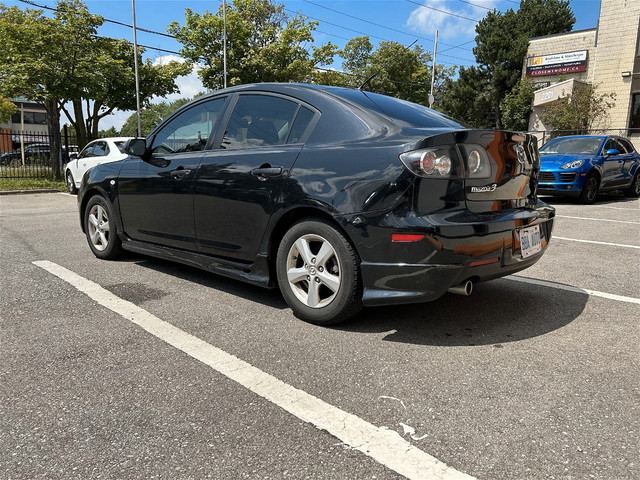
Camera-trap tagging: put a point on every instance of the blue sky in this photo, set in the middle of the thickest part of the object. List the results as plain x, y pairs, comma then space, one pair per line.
339, 20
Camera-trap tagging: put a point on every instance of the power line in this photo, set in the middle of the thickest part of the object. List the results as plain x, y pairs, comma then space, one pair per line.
46, 7
364, 33
476, 5
380, 25
443, 11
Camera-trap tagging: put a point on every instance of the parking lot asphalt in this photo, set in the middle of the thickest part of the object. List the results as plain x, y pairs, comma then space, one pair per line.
141, 368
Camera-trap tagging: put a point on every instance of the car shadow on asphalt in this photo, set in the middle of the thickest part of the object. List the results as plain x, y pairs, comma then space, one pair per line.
497, 312
265, 296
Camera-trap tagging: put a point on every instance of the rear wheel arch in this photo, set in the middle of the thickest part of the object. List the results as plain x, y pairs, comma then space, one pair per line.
291, 218
318, 271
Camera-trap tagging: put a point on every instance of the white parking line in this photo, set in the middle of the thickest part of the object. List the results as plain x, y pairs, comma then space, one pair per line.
569, 288
384, 445
593, 241
599, 219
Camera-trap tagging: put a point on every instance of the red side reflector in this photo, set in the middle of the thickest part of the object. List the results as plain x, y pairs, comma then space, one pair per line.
406, 237
484, 262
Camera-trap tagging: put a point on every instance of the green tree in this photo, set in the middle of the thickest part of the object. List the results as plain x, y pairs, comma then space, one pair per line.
501, 46
7, 108
54, 60
263, 44
517, 106
468, 98
582, 111
392, 69
109, 132
150, 117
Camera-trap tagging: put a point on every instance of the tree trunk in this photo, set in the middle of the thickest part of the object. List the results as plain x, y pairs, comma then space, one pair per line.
55, 139
82, 136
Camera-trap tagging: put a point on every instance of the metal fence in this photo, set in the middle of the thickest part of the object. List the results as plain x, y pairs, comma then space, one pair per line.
28, 154
544, 136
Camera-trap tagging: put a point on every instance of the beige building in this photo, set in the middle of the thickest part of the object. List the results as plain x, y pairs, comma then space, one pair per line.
607, 56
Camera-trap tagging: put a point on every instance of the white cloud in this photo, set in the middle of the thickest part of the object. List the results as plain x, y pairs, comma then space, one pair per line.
448, 20
188, 87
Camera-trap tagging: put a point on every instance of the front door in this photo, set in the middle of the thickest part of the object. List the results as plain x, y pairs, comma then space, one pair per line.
156, 195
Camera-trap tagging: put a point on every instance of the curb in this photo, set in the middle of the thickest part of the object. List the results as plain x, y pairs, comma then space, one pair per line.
25, 192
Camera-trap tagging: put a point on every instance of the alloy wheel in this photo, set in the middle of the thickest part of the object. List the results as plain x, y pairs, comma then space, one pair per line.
99, 228
313, 271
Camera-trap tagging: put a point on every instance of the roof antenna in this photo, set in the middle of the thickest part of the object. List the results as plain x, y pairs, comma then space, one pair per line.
375, 74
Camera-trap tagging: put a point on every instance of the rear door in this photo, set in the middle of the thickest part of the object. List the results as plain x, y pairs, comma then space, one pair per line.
238, 184
631, 158
611, 168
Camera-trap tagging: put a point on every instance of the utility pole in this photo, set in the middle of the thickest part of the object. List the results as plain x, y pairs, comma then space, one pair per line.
433, 70
135, 62
224, 41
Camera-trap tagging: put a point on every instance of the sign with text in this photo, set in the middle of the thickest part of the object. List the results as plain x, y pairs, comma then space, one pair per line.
556, 64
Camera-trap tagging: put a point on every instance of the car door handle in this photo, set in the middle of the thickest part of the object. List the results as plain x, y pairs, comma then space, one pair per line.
265, 172
179, 172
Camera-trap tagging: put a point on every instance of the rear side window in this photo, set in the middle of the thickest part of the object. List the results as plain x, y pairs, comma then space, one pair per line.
259, 120
300, 125
627, 145
120, 146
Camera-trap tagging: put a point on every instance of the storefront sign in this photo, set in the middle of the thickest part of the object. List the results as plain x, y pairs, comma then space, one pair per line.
556, 64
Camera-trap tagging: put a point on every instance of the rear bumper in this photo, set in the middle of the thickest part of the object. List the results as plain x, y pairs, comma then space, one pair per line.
456, 247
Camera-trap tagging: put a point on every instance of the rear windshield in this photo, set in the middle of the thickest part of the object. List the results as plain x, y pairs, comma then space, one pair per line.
570, 145
403, 113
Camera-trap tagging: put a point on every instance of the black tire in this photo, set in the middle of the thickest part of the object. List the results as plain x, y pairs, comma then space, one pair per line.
634, 189
329, 263
100, 229
71, 185
590, 189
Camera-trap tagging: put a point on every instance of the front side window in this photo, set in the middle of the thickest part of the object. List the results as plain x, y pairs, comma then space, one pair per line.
259, 120
87, 151
189, 131
611, 144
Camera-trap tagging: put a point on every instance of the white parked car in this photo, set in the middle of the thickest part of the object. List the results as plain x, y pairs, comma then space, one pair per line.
99, 151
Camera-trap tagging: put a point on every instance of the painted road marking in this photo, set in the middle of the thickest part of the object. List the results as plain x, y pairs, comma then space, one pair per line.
383, 445
569, 288
599, 219
593, 241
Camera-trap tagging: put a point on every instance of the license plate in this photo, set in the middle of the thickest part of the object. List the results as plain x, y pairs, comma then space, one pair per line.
530, 241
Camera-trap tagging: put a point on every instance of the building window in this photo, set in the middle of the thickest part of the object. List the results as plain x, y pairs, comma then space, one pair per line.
634, 123
30, 118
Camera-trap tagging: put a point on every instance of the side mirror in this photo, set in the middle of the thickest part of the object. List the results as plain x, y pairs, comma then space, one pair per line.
136, 146
611, 151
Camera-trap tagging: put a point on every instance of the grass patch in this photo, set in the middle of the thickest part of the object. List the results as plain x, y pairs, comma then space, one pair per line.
11, 184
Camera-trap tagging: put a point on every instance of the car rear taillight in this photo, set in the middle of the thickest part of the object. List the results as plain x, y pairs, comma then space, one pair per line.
454, 161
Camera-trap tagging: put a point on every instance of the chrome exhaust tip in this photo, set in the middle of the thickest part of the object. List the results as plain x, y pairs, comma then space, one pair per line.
465, 288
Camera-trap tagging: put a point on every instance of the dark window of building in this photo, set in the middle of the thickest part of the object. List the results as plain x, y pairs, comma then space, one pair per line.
635, 113
30, 118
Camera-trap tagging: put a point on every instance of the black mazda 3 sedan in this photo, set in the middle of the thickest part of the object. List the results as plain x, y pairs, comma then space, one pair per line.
342, 198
